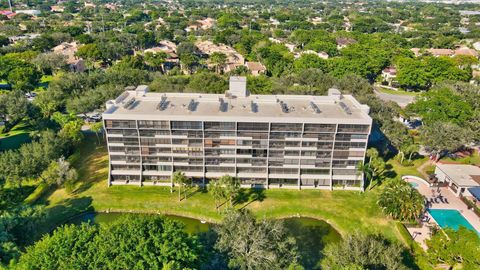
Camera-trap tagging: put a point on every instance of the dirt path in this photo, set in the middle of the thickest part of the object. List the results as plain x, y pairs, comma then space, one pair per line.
421, 168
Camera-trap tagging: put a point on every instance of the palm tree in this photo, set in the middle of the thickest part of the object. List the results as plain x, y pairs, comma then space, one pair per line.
97, 128
182, 181
366, 170
231, 186
218, 59
218, 192
401, 201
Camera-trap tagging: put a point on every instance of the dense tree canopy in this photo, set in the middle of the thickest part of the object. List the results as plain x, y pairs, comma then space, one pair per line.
359, 251
130, 243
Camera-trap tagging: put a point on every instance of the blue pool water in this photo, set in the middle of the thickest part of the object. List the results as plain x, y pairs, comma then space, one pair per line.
414, 185
450, 218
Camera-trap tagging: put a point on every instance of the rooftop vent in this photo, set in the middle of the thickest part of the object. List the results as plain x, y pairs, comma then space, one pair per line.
314, 107
122, 97
284, 107
223, 105
345, 108
254, 107
128, 104
163, 104
192, 106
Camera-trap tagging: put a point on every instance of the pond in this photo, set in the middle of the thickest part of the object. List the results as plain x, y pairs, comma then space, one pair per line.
312, 235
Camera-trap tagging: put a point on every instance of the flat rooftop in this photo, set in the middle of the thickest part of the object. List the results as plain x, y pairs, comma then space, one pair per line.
139, 104
462, 174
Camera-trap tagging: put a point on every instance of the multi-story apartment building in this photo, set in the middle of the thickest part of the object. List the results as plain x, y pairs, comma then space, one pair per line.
263, 140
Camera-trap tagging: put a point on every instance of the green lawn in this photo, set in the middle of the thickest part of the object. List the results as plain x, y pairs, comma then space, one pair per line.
473, 159
17, 136
396, 92
347, 211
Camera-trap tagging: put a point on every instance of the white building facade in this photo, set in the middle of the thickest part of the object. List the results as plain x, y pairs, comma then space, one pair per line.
265, 141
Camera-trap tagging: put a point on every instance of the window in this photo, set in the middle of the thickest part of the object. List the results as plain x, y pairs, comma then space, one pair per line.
120, 124
186, 125
219, 125
153, 124
320, 127
286, 127
253, 126
353, 128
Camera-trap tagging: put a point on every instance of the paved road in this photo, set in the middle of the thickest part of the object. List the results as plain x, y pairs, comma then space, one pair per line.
402, 100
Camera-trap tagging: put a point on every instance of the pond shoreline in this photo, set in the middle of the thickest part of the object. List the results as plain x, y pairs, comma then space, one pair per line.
183, 215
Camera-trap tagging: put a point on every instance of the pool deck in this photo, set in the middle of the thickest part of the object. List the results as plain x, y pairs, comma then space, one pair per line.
440, 198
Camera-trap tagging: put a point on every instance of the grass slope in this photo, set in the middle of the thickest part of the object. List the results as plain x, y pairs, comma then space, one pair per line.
347, 211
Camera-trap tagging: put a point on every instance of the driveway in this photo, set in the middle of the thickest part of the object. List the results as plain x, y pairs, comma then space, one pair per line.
402, 100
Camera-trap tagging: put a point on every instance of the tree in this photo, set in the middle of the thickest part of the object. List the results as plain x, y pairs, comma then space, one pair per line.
90, 52
366, 171
253, 244
14, 107
401, 201
4, 41
217, 191
309, 60
360, 251
458, 249
188, 61
49, 101
72, 131
376, 166
207, 82
183, 182
97, 128
59, 172
231, 187
24, 78
218, 59
132, 242
50, 62
442, 105
441, 136
155, 60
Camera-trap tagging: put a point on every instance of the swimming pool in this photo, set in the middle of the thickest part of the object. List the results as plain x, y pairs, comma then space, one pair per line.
413, 184
450, 218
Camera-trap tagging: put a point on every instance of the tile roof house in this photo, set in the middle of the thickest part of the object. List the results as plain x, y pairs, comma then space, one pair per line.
69, 49
344, 42
466, 51
256, 68
234, 59
8, 13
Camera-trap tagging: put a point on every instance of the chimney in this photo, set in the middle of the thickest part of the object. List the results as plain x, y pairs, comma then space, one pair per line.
238, 86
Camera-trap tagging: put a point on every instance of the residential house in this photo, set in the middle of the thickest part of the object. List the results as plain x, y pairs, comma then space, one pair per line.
31, 12
234, 59
322, 55
466, 51
344, 42
58, 9
256, 68
389, 75
170, 49
201, 24
9, 14
69, 49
